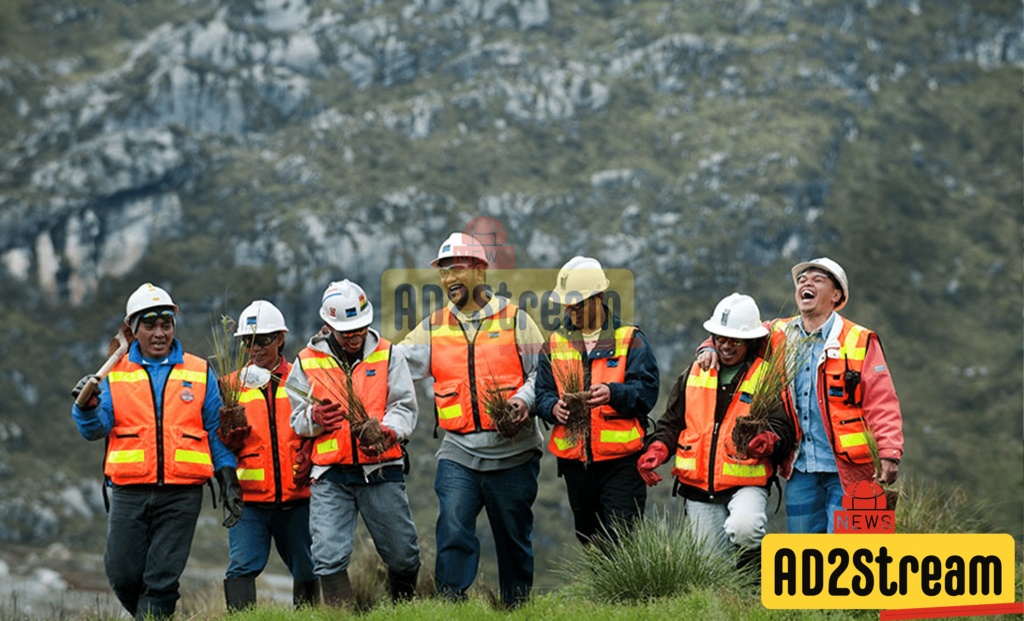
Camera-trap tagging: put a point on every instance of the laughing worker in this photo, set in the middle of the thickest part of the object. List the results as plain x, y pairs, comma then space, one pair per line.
158, 410
842, 390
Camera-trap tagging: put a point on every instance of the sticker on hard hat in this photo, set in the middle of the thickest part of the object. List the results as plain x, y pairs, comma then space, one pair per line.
350, 312
187, 396
251, 320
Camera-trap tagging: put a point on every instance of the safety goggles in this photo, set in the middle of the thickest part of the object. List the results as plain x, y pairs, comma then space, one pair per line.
258, 339
723, 340
351, 334
149, 319
457, 271
573, 308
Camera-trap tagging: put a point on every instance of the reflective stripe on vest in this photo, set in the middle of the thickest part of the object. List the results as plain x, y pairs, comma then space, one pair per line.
607, 438
175, 450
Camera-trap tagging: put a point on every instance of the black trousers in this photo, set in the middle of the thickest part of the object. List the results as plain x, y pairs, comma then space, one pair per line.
604, 494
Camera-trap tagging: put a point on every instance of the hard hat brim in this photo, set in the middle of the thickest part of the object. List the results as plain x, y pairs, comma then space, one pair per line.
718, 330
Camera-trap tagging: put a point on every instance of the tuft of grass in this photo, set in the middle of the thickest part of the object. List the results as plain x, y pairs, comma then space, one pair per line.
654, 558
229, 357
928, 507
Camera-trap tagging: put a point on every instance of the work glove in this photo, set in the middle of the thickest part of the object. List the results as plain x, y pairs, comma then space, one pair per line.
762, 445
94, 400
390, 439
230, 495
235, 438
656, 455
303, 463
327, 415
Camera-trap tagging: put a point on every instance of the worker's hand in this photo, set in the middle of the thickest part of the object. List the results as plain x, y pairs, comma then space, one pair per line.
708, 359
762, 445
656, 455
560, 411
94, 399
328, 415
890, 471
235, 438
599, 395
230, 495
390, 439
522, 412
303, 463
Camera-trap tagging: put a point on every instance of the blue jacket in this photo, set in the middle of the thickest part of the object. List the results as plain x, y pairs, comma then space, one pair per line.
636, 396
95, 424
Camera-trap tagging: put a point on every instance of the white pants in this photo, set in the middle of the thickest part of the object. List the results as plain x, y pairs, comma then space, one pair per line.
740, 523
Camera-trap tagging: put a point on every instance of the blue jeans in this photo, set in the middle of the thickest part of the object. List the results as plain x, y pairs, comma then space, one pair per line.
385, 509
508, 497
249, 541
812, 498
149, 536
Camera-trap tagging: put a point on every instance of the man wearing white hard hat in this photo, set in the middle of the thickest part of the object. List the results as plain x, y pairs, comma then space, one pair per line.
269, 452
351, 370
158, 410
725, 491
480, 342
842, 391
616, 366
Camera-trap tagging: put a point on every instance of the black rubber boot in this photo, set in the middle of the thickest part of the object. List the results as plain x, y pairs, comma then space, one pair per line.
337, 589
306, 593
239, 593
402, 586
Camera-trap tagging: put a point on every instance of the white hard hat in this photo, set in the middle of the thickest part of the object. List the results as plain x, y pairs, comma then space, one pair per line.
344, 306
461, 245
738, 317
830, 267
145, 297
260, 317
579, 279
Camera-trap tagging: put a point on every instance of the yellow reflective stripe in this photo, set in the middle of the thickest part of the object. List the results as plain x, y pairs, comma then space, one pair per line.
849, 347
686, 463
126, 457
446, 330
743, 470
621, 346
319, 363
128, 376
704, 380
452, 411
281, 393
250, 395
566, 355
378, 356
192, 457
847, 440
563, 444
608, 435
326, 446
751, 384
250, 474
195, 377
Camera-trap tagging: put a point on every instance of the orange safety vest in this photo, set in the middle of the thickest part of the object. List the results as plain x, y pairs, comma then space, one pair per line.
842, 413
266, 461
705, 454
172, 448
463, 372
370, 382
610, 434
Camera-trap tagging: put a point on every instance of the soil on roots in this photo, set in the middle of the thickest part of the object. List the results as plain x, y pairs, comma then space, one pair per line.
746, 429
503, 420
577, 424
369, 433
232, 417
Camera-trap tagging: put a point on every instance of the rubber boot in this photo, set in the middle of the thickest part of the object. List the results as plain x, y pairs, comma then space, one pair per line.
240, 593
337, 589
402, 586
306, 593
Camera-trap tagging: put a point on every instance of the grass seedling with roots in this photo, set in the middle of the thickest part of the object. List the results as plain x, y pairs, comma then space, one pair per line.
496, 404
572, 378
230, 355
342, 391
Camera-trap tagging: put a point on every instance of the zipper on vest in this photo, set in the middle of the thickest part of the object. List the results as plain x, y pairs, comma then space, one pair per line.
477, 425
160, 427
274, 448
588, 446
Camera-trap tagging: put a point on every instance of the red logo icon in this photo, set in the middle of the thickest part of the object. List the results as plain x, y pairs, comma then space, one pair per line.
865, 510
490, 234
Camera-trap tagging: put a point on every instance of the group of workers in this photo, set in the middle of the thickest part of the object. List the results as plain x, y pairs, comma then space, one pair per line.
325, 435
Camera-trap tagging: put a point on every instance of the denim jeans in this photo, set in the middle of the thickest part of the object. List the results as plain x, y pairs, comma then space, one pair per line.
812, 498
507, 495
249, 541
741, 522
149, 537
385, 509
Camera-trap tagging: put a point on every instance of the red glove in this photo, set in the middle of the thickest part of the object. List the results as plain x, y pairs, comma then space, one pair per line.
327, 415
390, 439
762, 445
656, 455
235, 439
303, 463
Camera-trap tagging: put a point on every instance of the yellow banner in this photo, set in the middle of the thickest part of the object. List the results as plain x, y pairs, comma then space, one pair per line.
886, 571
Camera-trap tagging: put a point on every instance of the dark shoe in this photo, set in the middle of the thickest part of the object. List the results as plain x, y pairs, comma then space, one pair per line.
240, 593
306, 593
337, 589
402, 586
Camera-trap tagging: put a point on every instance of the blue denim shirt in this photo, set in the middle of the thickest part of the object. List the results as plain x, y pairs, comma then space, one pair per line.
815, 449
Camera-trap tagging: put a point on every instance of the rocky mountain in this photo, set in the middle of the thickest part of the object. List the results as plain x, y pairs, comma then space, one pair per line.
238, 149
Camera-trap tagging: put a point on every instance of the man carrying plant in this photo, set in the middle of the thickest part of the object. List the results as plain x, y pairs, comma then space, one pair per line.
596, 386
481, 352
158, 410
351, 391
269, 452
841, 395
725, 486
